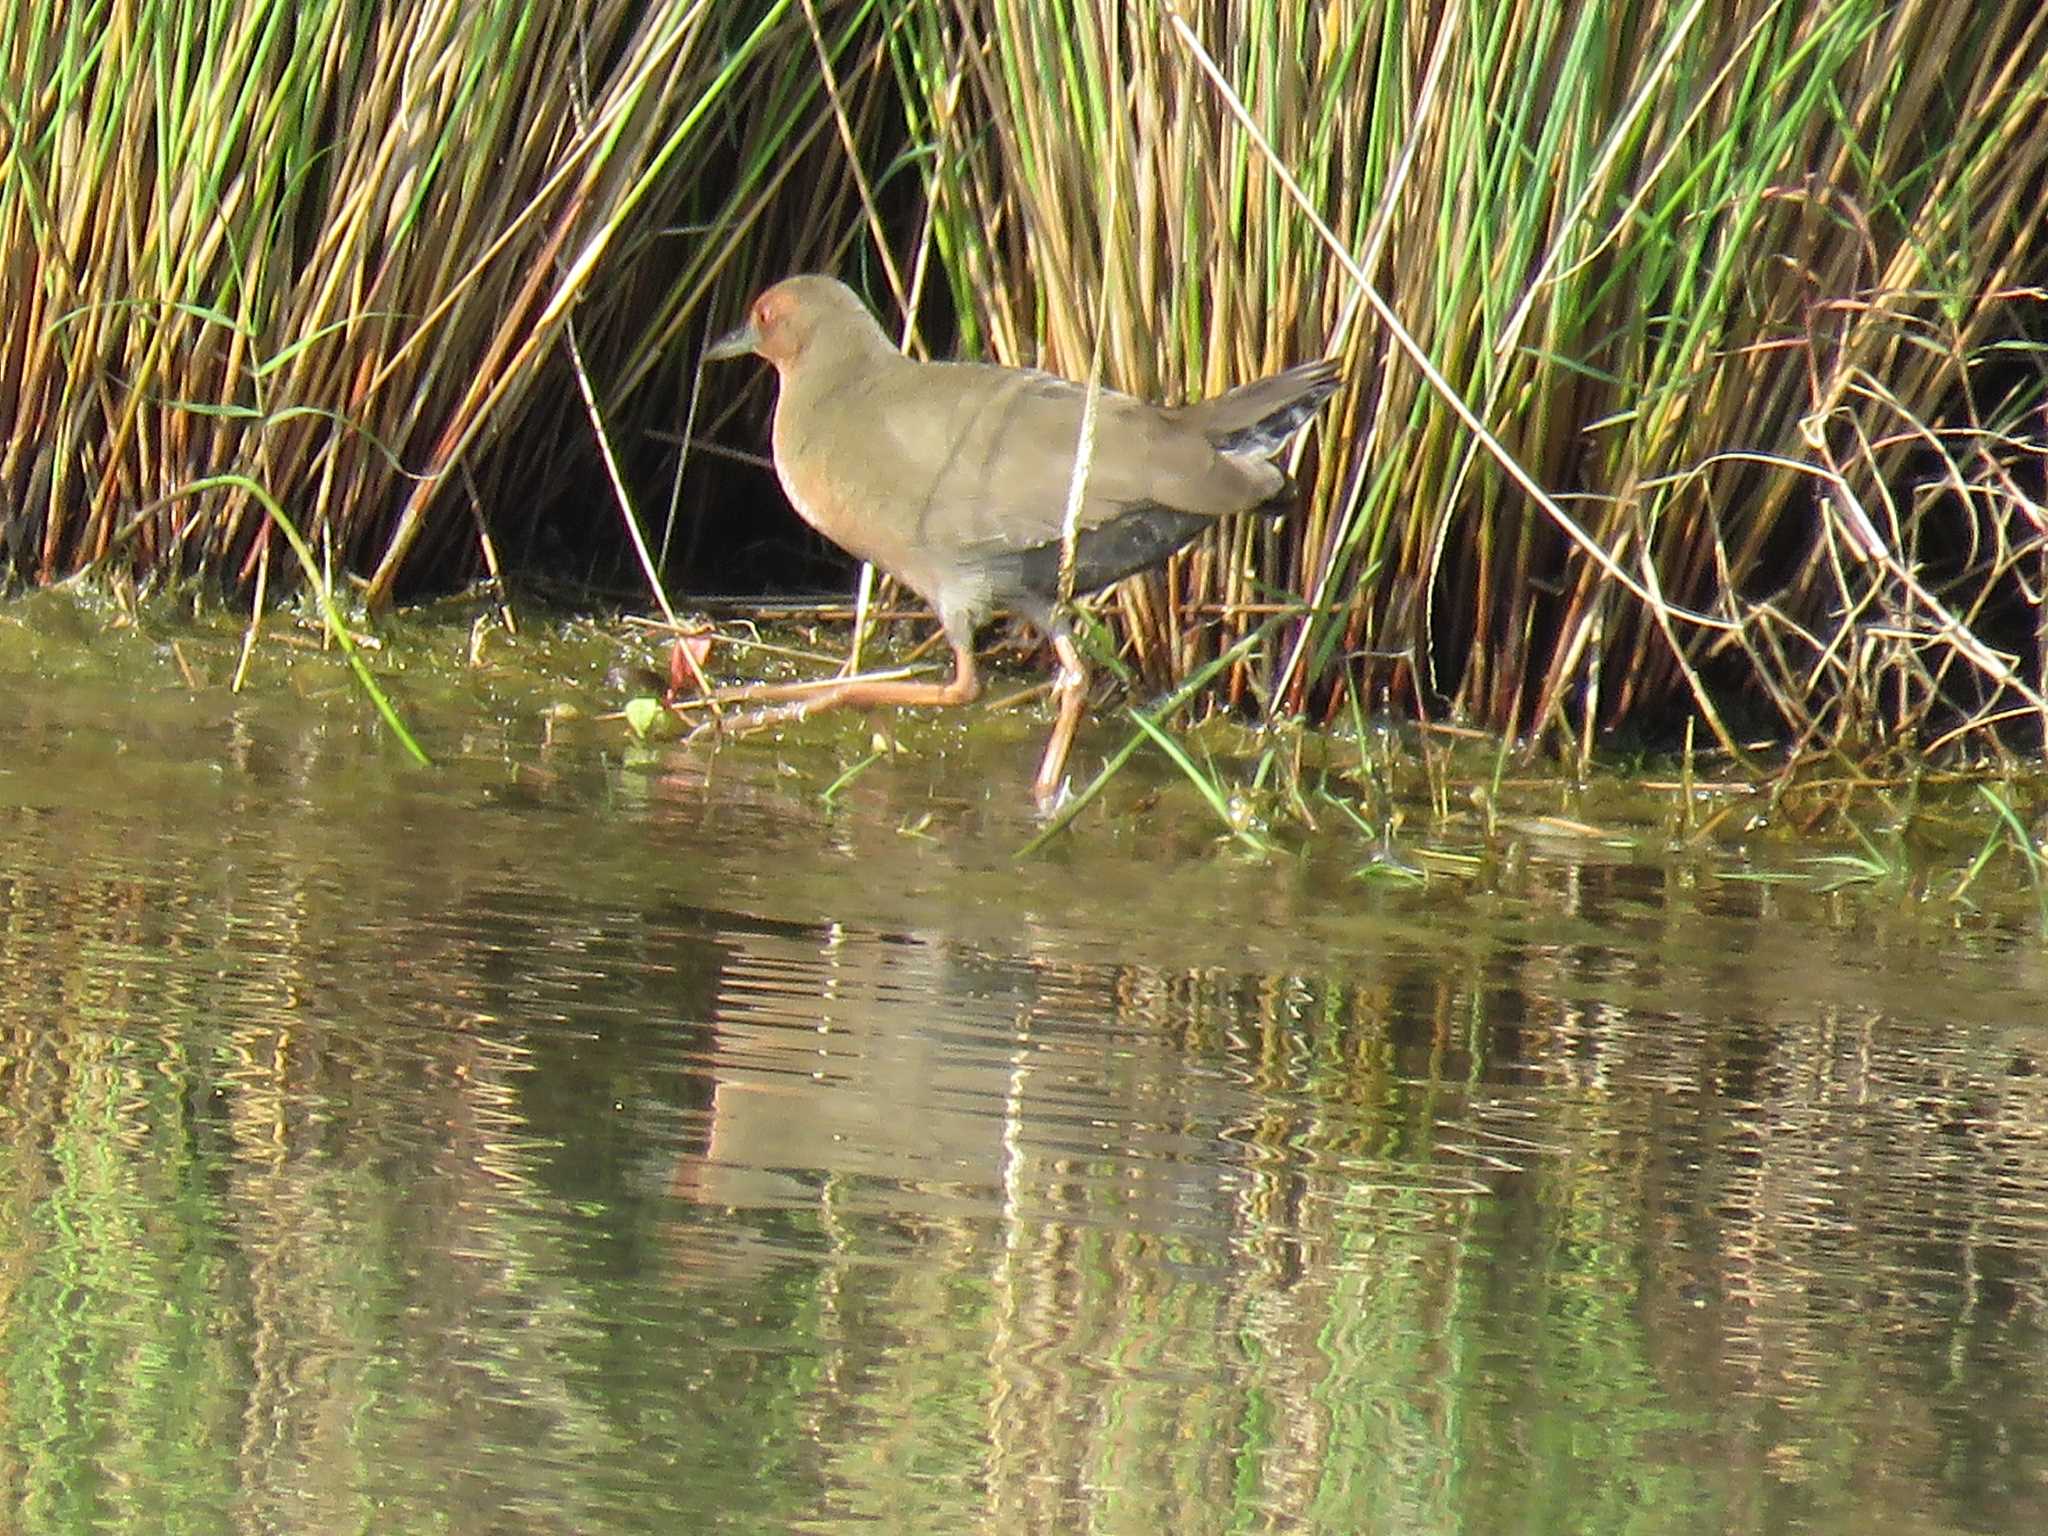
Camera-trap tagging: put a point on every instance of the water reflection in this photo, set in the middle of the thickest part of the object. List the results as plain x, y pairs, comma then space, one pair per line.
549, 1144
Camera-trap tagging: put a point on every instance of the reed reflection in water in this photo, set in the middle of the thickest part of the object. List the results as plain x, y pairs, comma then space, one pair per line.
385, 1151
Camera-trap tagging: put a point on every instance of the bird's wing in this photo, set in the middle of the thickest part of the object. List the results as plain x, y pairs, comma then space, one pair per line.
986, 456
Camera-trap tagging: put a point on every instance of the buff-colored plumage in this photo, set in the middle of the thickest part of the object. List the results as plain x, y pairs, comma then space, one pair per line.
954, 477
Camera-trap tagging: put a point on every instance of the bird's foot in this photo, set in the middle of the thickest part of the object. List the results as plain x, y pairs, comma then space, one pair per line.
744, 722
1049, 800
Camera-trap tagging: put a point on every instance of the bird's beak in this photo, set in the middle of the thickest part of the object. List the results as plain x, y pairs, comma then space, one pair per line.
737, 342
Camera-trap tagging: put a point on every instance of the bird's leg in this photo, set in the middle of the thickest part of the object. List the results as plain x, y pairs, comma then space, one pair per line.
1070, 691
798, 701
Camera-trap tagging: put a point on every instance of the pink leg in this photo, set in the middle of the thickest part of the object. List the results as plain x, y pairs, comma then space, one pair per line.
1070, 692
798, 701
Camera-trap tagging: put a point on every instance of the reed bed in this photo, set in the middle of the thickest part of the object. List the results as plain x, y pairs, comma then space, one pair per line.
339, 250
1751, 289
1692, 349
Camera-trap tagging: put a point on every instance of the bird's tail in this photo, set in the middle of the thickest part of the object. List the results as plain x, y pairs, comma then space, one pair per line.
1257, 419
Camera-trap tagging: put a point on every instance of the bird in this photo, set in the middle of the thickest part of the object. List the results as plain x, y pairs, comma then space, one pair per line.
954, 478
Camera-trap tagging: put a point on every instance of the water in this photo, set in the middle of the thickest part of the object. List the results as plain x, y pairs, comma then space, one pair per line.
575, 1139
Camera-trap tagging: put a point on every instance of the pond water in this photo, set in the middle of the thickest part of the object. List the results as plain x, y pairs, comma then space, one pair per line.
583, 1138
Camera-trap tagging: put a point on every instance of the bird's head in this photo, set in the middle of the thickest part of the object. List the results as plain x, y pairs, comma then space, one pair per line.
788, 320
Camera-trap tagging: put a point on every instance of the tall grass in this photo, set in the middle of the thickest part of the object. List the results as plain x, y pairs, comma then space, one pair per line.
330, 249
1742, 284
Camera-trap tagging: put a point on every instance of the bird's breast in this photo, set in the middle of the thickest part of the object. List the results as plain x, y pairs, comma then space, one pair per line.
831, 480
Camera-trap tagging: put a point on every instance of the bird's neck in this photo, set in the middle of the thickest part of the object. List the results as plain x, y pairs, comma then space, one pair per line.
831, 366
